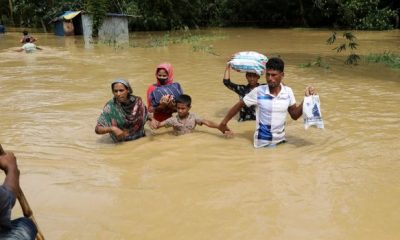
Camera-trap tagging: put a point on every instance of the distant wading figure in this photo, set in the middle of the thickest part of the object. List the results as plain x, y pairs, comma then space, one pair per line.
26, 36
124, 116
28, 47
161, 95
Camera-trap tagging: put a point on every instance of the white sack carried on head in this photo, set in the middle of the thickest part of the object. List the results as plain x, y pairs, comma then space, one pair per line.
249, 62
312, 112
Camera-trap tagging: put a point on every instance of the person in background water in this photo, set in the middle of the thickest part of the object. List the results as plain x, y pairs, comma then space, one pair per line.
161, 95
273, 102
124, 116
184, 122
246, 113
21, 228
28, 47
26, 36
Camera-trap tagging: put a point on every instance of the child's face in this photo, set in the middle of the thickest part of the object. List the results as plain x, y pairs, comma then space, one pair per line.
182, 109
252, 78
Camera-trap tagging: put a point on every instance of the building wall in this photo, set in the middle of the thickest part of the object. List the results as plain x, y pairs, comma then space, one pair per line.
87, 27
59, 28
114, 30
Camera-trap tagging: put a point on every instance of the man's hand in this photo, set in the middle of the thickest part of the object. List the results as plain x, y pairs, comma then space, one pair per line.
223, 128
154, 124
8, 163
310, 91
228, 134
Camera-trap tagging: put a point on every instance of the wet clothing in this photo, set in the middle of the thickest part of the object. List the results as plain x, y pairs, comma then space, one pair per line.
29, 47
25, 37
156, 91
18, 229
271, 114
246, 113
130, 116
170, 89
186, 125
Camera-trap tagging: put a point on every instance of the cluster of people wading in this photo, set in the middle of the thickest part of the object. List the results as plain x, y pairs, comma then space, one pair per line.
28, 43
125, 115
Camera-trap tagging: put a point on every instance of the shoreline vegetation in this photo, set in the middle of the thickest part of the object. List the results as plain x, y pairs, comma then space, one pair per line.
181, 18
198, 42
153, 15
388, 59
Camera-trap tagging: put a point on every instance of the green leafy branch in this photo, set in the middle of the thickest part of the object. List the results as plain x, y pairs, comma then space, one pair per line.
349, 43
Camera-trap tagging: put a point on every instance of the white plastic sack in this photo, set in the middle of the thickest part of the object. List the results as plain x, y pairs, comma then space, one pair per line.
249, 62
312, 112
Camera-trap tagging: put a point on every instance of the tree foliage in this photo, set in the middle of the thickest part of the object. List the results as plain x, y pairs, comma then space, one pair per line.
98, 9
178, 14
348, 43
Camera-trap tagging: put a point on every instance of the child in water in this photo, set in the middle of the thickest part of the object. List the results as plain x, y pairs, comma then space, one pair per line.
184, 122
26, 36
246, 113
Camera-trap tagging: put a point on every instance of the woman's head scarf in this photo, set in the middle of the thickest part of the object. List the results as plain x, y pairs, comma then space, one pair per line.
124, 82
167, 67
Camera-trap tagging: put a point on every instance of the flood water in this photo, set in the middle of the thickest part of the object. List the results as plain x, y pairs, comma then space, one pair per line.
341, 182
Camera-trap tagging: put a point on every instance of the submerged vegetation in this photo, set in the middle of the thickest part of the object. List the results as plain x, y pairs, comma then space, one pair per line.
348, 43
181, 37
198, 42
318, 62
387, 58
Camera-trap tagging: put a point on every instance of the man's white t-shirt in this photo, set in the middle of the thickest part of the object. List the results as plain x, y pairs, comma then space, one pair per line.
271, 112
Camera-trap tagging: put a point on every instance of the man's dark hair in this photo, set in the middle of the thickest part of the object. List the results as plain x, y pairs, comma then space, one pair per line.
185, 99
25, 32
275, 64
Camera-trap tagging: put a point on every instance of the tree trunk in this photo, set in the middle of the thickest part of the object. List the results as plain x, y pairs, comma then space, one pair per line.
43, 26
11, 12
303, 19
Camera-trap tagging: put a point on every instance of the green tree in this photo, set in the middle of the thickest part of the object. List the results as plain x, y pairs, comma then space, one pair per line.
358, 14
98, 9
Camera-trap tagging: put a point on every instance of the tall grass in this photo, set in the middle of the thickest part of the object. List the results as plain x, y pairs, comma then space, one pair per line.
199, 42
387, 58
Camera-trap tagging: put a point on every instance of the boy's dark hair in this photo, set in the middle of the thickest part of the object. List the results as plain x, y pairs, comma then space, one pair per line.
275, 64
25, 32
185, 99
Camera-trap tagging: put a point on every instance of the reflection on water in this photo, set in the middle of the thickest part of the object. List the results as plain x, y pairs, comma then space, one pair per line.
340, 182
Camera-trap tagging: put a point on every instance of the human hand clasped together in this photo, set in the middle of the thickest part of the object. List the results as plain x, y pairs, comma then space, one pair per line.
167, 101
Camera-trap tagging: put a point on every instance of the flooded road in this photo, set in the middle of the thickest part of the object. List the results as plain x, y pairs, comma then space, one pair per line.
338, 183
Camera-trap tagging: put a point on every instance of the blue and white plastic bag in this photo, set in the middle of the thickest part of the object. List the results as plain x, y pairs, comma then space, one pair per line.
249, 62
312, 112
